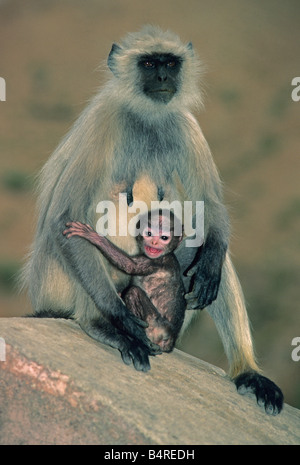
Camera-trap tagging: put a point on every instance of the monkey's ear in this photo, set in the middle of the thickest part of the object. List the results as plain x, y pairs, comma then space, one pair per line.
111, 60
190, 48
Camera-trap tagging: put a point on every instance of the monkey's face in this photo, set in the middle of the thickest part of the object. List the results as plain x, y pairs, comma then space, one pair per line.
158, 235
159, 73
155, 243
157, 239
154, 72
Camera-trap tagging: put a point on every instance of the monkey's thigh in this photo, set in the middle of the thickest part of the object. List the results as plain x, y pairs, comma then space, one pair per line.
139, 304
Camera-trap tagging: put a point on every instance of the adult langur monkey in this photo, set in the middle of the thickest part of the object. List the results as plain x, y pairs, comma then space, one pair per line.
138, 136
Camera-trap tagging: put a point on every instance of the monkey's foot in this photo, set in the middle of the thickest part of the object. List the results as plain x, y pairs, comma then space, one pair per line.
268, 395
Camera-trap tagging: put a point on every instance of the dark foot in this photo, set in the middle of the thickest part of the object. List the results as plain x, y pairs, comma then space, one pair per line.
268, 395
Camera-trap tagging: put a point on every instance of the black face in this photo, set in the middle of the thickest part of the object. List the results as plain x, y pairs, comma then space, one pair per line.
160, 74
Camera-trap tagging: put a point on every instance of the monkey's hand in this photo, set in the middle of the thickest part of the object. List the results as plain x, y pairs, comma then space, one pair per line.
206, 286
75, 228
136, 347
206, 276
134, 327
135, 353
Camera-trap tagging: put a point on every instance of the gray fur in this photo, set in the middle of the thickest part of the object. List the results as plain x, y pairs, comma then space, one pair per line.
123, 139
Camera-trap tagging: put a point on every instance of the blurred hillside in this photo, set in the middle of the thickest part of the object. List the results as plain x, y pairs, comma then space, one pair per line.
52, 56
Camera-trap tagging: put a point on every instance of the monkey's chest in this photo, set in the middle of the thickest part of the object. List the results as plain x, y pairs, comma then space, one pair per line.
149, 149
159, 288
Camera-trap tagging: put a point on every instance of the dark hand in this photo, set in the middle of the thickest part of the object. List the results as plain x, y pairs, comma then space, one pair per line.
206, 277
205, 289
138, 347
138, 354
135, 327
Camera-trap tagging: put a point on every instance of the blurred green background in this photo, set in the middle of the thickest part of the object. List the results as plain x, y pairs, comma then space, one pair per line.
52, 57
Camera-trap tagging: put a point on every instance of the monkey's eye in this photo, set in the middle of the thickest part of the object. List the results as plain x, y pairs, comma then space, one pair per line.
171, 64
149, 64
164, 238
148, 233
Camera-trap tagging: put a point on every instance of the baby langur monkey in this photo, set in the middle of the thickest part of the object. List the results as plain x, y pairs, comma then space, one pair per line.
156, 292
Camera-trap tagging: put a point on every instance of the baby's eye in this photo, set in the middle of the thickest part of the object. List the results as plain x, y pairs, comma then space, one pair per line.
164, 238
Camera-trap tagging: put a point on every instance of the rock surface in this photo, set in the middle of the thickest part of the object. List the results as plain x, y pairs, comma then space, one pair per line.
58, 386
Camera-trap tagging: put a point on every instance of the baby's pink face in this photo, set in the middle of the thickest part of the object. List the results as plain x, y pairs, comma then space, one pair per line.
156, 241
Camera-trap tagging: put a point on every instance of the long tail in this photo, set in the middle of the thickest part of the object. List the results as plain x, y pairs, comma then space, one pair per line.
230, 316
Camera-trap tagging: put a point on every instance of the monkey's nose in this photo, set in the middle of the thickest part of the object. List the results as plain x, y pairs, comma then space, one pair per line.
162, 74
162, 78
